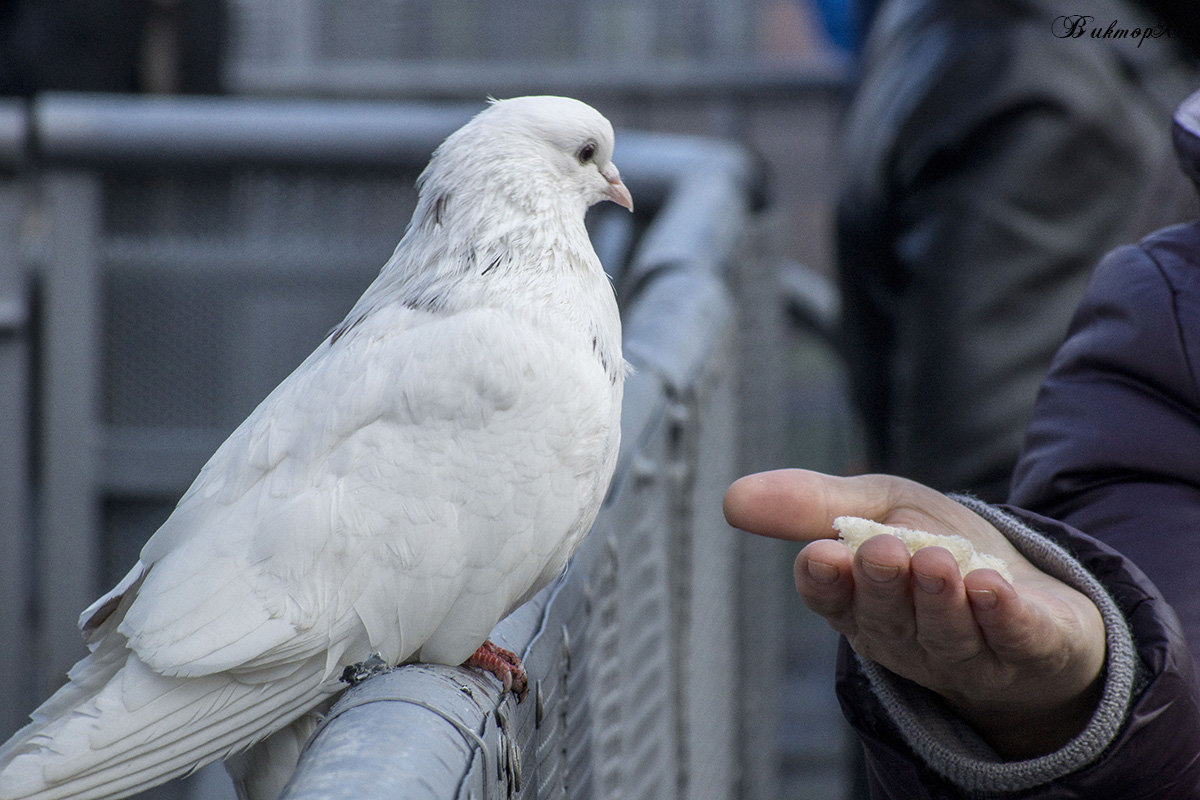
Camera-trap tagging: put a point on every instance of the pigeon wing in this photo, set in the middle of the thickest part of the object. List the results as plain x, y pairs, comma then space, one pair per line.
416, 460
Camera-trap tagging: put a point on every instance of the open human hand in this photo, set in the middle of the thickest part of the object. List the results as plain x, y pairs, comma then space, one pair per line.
1021, 662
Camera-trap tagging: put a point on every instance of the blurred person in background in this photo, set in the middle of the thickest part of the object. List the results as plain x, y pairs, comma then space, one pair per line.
993, 151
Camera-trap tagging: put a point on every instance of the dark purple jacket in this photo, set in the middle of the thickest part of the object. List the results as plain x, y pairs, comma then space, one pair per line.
1113, 449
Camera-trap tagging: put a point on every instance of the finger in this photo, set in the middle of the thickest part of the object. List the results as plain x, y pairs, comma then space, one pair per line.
1012, 627
825, 582
801, 505
1057, 634
946, 628
883, 605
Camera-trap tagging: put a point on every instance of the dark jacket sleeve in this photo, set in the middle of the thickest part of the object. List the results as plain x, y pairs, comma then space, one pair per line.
1154, 753
1113, 446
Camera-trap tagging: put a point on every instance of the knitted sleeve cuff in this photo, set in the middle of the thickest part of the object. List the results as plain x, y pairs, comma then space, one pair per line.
952, 749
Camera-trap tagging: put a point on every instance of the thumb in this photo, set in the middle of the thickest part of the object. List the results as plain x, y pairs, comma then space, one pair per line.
800, 505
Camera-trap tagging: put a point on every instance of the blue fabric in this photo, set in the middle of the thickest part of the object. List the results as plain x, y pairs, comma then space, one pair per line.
845, 21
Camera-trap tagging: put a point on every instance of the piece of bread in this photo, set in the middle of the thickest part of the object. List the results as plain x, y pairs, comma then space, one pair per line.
856, 530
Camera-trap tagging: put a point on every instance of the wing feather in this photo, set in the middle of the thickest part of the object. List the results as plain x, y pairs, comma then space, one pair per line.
120, 726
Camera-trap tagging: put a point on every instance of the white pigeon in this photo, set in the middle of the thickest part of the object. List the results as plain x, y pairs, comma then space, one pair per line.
426, 470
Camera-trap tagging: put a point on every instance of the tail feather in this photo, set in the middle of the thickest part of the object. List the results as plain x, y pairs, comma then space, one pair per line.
86, 679
87, 743
134, 775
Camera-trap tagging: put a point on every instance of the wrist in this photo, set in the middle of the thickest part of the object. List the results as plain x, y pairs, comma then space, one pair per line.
1019, 732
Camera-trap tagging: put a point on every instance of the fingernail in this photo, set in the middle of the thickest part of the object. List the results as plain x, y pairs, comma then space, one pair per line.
878, 572
928, 583
822, 573
983, 598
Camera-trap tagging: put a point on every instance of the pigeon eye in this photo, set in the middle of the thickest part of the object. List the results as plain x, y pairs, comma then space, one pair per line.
587, 152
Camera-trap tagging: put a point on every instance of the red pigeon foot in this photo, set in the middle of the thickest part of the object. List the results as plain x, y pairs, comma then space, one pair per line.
502, 663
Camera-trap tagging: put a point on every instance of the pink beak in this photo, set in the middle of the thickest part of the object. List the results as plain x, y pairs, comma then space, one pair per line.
616, 189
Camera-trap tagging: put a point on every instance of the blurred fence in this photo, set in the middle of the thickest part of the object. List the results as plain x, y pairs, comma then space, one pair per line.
423, 46
184, 255
14, 423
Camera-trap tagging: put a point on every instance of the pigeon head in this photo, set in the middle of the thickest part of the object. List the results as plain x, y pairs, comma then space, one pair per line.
504, 194
533, 152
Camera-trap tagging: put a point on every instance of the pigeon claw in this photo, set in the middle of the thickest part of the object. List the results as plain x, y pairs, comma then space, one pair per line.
504, 664
357, 673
